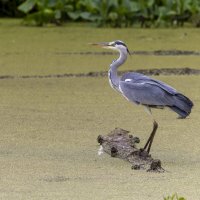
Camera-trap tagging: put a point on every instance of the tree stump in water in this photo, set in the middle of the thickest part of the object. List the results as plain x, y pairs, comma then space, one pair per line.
119, 143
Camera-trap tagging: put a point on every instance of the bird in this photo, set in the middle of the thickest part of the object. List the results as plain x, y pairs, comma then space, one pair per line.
144, 90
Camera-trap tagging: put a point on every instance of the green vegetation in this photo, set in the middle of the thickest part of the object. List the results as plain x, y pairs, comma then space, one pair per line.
112, 13
174, 197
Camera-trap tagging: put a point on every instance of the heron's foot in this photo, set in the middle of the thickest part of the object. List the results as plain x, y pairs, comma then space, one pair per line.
145, 149
143, 153
141, 149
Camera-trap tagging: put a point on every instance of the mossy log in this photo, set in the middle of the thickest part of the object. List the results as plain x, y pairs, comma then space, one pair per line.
119, 143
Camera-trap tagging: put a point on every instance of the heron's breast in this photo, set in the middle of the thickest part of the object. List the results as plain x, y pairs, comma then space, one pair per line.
111, 82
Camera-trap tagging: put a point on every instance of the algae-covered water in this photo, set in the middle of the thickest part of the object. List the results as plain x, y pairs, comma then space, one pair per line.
44, 50
49, 126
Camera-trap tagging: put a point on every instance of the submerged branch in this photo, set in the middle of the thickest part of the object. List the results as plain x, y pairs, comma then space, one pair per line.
119, 143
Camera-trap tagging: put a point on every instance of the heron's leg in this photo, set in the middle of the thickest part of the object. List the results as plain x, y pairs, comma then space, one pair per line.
151, 137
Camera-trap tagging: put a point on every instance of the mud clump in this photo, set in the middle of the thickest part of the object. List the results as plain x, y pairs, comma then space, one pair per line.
120, 144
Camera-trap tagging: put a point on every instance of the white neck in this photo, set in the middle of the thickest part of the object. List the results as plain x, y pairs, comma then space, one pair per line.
112, 73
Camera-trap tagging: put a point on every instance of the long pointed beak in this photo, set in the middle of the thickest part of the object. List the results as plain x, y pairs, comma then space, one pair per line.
101, 44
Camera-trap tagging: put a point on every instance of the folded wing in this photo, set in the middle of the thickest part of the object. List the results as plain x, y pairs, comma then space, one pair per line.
144, 90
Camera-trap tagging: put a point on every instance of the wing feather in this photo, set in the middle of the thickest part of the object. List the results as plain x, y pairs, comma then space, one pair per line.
146, 93
140, 78
144, 90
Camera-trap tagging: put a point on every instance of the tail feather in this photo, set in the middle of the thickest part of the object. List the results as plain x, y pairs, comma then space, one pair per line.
181, 113
182, 105
185, 99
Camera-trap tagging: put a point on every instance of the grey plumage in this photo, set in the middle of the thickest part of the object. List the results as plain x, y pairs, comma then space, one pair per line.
143, 90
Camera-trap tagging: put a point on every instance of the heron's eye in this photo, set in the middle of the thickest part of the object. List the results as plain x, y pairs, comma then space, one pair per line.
112, 44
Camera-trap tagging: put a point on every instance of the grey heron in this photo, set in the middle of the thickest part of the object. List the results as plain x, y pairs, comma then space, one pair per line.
143, 90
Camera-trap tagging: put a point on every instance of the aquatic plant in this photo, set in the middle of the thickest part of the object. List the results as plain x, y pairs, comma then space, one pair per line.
174, 197
40, 12
113, 13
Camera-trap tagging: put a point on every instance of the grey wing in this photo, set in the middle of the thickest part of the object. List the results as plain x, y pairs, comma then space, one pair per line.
140, 78
146, 94
142, 89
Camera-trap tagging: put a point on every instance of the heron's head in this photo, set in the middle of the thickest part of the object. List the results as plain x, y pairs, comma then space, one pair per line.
117, 45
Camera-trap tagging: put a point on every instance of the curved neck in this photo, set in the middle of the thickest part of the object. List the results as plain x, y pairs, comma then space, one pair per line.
112, 73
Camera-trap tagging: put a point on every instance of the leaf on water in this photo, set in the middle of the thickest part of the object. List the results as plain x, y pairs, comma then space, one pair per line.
85, 15
74, 15
27, 6
58, 14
